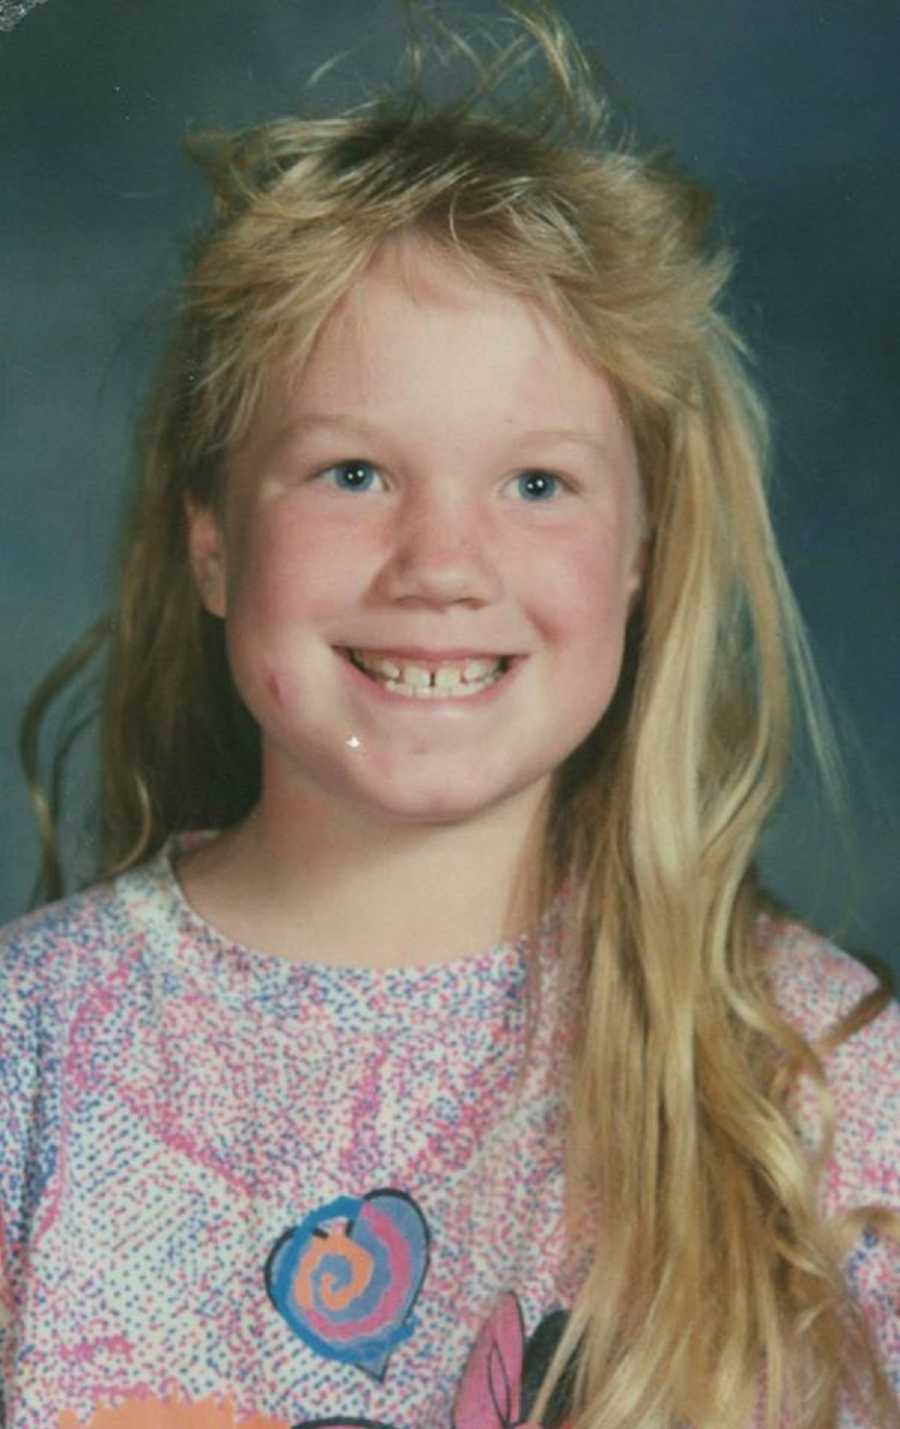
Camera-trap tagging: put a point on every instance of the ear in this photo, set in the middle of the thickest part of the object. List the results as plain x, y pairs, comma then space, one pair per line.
206, 550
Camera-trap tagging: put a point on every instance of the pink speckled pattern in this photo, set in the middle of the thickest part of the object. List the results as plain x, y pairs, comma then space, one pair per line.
242, 1192
815, 985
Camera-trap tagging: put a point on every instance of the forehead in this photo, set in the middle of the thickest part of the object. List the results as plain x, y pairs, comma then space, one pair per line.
417, 334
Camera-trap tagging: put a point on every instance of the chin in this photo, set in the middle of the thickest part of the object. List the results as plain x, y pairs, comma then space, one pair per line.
444, 809
450, 803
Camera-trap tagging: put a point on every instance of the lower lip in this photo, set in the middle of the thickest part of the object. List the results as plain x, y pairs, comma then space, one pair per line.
396, 700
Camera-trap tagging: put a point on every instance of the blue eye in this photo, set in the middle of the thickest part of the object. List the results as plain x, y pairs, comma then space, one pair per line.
351, 475
537, 485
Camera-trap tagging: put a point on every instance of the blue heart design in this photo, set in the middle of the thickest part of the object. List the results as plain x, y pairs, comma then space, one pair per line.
345, 1280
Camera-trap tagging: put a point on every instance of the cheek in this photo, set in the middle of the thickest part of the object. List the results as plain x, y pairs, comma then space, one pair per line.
281, 591
286, 573
582, 593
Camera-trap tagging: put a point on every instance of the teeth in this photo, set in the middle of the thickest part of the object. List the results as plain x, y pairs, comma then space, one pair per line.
416, 676
434, 692
455, 681
477, 669
448, 677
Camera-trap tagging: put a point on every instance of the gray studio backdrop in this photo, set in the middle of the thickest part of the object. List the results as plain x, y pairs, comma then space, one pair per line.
789, 111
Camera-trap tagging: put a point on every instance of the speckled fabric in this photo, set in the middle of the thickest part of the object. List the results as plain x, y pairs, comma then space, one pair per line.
238, 1191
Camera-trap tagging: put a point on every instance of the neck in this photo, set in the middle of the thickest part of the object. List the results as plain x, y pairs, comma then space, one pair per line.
307, 879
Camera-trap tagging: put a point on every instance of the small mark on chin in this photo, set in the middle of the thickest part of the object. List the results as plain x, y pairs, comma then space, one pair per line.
274, 688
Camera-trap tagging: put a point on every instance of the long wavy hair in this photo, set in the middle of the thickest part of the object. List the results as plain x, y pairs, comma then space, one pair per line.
720, 1277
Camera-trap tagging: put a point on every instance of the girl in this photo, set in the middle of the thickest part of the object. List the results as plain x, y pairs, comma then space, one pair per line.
428, 1055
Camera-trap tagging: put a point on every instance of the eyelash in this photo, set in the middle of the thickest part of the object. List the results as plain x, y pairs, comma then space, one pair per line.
357, 467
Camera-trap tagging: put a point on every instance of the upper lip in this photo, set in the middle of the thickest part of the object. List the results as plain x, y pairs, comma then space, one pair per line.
411, 653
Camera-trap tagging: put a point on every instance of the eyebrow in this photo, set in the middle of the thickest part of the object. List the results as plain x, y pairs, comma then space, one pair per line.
332, 421
348, 423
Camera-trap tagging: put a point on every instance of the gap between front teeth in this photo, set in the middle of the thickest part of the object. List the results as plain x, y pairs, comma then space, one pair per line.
459, 691
447, 680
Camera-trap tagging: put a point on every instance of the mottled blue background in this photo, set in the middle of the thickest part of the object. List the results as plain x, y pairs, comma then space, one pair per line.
791, 112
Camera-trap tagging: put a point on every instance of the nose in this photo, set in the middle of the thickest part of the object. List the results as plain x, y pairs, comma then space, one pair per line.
440, 552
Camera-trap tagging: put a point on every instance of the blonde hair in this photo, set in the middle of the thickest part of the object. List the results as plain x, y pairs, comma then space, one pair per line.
681, 1063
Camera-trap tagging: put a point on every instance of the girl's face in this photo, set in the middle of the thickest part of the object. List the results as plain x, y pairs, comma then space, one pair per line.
431, 540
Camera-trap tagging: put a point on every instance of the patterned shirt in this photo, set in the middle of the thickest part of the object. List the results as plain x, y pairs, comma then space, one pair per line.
239, 1192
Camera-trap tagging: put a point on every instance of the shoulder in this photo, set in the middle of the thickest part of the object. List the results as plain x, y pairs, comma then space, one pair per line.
35, 946
817, 987
80, 940
814, 983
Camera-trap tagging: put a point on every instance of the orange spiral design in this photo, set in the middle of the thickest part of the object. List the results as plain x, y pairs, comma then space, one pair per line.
333, 1296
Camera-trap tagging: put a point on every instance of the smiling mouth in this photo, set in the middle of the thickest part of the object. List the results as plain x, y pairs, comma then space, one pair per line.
448, 680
